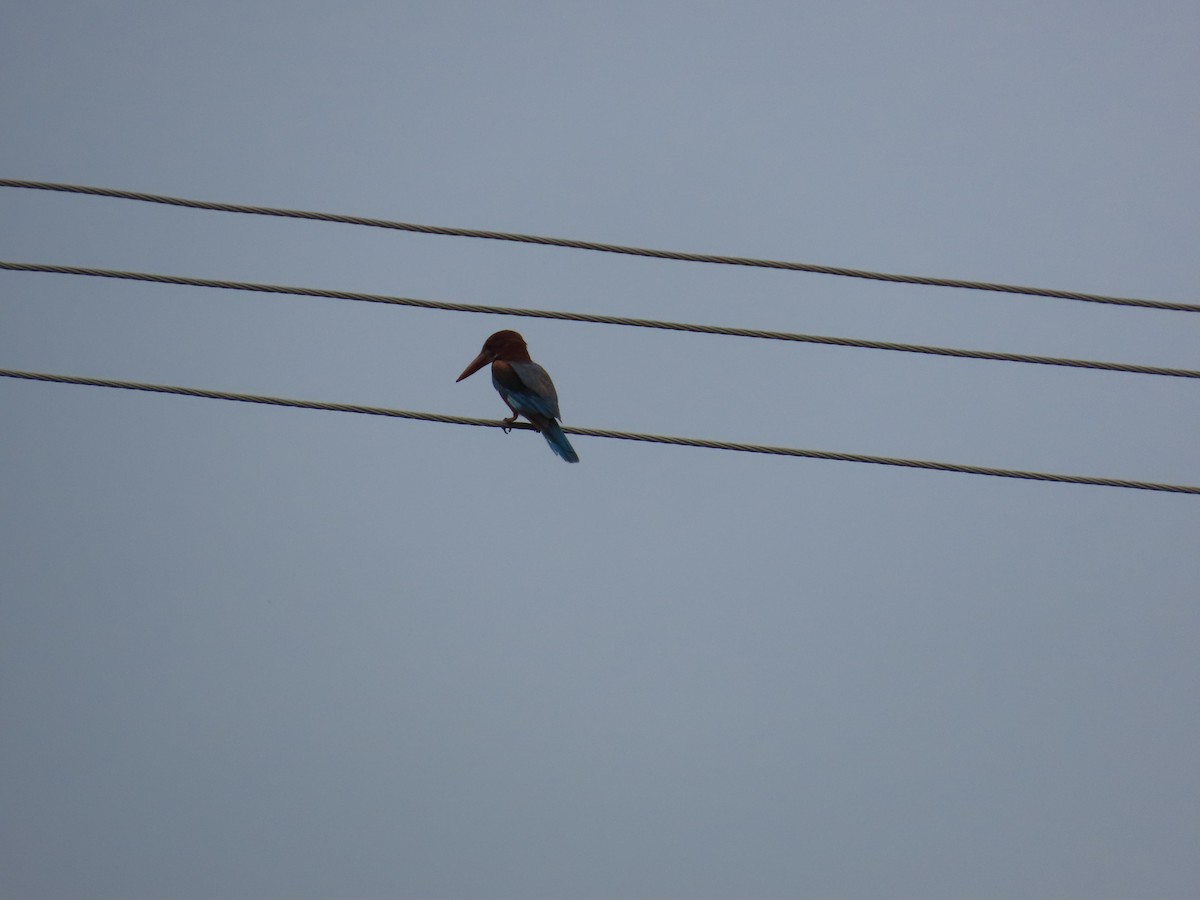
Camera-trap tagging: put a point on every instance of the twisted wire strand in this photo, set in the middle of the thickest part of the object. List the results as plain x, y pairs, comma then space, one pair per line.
597, 246
996, 356
607, 433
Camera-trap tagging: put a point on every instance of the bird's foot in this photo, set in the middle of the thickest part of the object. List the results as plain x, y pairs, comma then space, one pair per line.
507, 424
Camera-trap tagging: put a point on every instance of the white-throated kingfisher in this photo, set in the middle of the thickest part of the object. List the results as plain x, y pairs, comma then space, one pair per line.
524, 386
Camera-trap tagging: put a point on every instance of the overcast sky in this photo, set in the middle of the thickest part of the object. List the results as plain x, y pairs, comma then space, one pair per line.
266, 653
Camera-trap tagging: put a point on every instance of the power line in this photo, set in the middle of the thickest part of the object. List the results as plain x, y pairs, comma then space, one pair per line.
995, 356
601, 247
605, 433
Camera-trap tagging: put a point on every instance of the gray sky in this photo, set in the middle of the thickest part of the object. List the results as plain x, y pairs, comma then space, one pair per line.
253, 652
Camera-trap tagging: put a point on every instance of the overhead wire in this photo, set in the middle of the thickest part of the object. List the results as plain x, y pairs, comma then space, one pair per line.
716, 259
995, 356
606, 433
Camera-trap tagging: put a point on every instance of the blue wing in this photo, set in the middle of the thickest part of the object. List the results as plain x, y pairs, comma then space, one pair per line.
528, 387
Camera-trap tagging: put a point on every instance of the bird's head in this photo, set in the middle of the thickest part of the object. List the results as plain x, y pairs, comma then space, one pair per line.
506, 345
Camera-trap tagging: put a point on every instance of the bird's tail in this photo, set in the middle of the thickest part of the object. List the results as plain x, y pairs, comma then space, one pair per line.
558, 442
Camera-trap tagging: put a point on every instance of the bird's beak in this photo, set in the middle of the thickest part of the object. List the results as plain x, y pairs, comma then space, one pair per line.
476, 364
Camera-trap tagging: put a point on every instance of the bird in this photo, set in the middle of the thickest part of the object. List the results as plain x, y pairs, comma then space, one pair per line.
524, 386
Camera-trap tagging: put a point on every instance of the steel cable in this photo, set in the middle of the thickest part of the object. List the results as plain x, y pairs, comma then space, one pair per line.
597, 246
997, 356
607, 433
